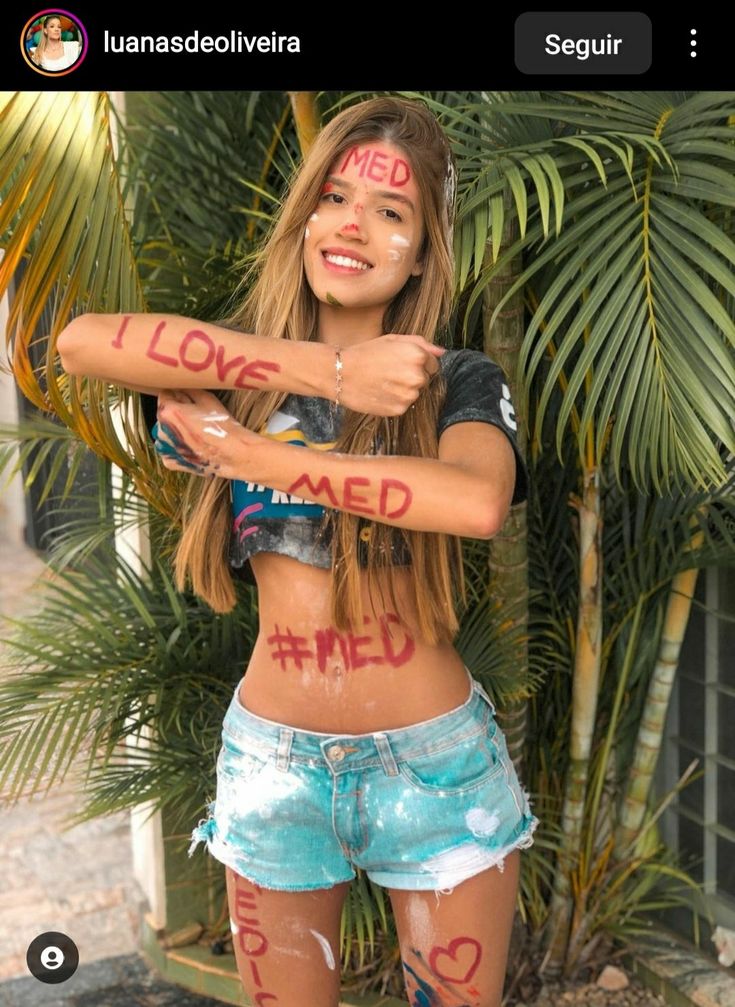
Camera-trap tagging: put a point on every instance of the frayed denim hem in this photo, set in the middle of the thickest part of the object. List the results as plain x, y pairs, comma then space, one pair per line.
444, 871
206, 832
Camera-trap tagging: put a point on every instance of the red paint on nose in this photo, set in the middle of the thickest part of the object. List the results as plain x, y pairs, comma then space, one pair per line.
350, 227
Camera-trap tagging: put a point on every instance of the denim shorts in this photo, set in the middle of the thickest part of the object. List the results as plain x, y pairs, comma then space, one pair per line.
419, 808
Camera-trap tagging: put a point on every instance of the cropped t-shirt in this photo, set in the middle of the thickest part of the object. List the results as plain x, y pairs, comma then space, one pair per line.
270, 520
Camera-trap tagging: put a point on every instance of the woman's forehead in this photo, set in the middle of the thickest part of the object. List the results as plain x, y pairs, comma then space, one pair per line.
375, 161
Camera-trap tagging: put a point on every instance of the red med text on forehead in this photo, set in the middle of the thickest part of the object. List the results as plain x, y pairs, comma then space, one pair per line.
377, 165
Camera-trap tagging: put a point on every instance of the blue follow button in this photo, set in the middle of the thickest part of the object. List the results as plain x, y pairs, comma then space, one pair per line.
583, 42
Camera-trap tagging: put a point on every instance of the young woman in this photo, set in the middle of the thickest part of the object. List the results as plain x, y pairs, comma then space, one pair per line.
341, 468
53, 52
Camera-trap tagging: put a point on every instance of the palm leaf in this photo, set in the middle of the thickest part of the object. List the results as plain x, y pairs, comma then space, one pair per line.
632, 290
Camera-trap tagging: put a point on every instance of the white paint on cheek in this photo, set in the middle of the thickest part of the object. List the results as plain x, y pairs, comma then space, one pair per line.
233, 926
314, 216
307, 232
394, 255
400, 239
326, 948
481, 823
215, 431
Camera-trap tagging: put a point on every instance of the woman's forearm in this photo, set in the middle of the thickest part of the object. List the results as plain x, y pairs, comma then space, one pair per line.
424, 494
169, 351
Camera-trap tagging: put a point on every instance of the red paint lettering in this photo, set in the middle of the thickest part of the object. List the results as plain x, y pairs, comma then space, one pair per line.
245, 901
325, 640
323, 485
153, 354
358, 660
248, 946
351, 501
196, 365
289, 647
117, 341
385, 486
398, 166
360, 159
376, 171
392, 657
464, 954
222, 367
251, 370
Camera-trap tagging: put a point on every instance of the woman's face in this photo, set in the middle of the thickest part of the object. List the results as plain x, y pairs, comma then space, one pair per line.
362, 241
52, 28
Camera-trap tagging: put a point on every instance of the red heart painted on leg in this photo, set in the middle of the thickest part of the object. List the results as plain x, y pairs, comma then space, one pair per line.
468, 948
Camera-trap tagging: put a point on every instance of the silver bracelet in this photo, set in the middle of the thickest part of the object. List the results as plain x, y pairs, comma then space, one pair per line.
338, 377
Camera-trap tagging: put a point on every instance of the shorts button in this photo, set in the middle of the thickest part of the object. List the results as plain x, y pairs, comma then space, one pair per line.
335, 753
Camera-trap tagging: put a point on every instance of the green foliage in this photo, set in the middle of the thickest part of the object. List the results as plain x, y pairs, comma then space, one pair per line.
624, 205
112, 654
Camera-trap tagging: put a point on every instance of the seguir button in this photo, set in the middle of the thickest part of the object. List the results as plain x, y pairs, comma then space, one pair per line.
569, 42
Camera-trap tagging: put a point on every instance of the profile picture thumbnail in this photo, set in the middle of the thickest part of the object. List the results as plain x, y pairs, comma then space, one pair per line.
54, 42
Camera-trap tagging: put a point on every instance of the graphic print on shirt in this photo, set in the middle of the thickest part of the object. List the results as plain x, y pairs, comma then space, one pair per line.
254, 502
506, 408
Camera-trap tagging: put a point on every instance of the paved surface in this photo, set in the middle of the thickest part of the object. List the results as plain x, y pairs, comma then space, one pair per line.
78, 881
124, 981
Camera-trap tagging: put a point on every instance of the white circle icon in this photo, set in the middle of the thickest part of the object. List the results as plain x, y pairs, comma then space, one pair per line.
52, 958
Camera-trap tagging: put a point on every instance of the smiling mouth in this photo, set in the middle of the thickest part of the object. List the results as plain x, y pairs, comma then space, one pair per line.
344, 264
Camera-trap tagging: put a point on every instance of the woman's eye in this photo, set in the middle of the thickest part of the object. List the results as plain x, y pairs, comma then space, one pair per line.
396, 216
328, 195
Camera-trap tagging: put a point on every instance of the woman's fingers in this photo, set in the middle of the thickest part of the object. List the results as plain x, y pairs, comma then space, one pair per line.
195, 432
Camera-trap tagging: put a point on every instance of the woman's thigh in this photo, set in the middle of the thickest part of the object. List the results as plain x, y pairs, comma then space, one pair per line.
454, 946
286, 943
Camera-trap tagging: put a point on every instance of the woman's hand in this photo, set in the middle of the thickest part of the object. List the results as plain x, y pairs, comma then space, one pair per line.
195, 433
385, 376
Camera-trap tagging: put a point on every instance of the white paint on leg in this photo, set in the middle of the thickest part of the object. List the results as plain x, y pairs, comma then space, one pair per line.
419, 915
326, 948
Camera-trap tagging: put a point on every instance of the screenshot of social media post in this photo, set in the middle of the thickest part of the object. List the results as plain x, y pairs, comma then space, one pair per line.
367, 510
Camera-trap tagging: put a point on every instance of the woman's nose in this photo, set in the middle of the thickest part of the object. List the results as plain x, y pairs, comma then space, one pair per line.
352, 222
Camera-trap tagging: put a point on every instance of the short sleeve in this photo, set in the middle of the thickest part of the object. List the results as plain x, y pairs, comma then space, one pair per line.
477, 391
149, 404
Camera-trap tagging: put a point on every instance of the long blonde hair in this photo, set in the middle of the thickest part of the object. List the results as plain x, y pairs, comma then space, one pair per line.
40, 50
280, 304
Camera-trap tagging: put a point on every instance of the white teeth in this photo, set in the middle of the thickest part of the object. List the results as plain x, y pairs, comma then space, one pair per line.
342, 260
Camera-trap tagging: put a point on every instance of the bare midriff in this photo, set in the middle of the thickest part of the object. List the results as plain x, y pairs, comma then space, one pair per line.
306, 673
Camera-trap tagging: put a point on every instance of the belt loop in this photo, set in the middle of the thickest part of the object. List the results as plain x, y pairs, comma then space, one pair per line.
386, 755
284, 749
478, 688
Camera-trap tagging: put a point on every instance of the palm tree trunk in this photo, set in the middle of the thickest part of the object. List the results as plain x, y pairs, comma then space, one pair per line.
508, 563
653, 718
585, 690
306, 118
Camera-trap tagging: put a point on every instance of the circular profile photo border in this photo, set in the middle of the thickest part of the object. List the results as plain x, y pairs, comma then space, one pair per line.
77, 22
